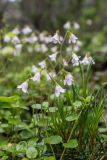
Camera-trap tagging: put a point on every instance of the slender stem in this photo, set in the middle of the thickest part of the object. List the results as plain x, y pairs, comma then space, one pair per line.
72, 130
60, 52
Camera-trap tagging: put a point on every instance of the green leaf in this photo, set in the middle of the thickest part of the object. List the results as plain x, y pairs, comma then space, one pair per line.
9, 99
36, 106
45, 105
31, 152
25, 134
53, 140
3, 141
71, 144
49, 158
77, 104
33, 142
52, 109
72, 118
21, 147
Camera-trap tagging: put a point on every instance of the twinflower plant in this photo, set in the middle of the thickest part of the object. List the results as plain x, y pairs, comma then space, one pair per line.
57, 113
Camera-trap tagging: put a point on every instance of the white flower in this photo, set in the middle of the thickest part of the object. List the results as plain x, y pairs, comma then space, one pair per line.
16, 31
59, 90
41, 36
32, 39
75, 60
34, 69
67, 25
68, 79
89, 22
7, 38
42, 64
18, 48
54, 49
76, 25
47, 39
50, 75
43, 48
30, 49
23, 87
69, 49
65, 63
53, 57
36, 77
77, 46
87, 60
73, 39
26, 30
56, 38
15, 40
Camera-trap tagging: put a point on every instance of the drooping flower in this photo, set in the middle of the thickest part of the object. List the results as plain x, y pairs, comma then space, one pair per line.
89, 22
59, 90
50, 76
73, 39
67, 25
53, 57
75, 60
18, 48
76, 25
68, 79
77, 46
26, 30
54, 49
32, 39
57, 38
65, 63
42, 64
47, 39
42, 36
16, 31
7, 39
43, 48
23, 87
36, 77
34, 69
15, 40
87, 60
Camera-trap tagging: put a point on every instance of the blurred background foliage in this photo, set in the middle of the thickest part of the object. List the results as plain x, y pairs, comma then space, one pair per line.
47, 14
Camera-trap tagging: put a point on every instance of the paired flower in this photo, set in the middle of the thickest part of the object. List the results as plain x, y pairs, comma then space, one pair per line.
75, 60
34, 69
57, 38
18, 48
26, 30
68, 79
50, 76
73, 39
32, 39
15, 40
23, 87
87, 60
42, 64
59, 90
36, 77
43, 48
